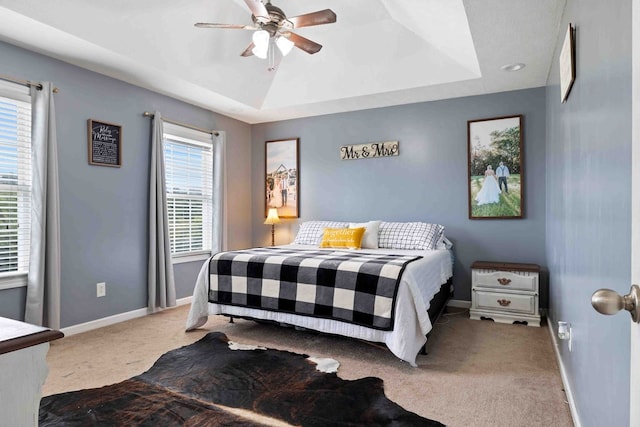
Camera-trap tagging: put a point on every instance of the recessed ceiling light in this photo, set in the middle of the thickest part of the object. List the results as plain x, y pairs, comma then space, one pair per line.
513, 67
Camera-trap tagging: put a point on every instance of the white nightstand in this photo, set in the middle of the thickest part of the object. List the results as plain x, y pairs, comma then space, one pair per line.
505, 292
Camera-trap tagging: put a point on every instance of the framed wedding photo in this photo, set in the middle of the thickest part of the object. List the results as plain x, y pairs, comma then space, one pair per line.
282, 177
495, 168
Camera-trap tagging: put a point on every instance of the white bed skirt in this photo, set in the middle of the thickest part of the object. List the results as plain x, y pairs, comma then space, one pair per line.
421, 280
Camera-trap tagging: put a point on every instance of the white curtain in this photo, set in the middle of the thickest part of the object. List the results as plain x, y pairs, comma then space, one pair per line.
162, 289
219, 193
43, 281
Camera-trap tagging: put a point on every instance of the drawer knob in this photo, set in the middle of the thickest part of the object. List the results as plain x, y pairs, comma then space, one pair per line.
504, 302
504, 281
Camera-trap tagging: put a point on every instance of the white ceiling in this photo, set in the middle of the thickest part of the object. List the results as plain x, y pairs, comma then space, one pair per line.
378, 53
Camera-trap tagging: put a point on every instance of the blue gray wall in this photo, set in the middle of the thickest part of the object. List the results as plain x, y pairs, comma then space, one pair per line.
104, 210
426, 182
589, 205
577, 220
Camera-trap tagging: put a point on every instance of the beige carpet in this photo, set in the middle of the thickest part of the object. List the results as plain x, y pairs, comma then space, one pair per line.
477, 373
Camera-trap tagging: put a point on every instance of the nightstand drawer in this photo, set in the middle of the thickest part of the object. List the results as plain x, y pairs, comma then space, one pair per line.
521, 281
496, 301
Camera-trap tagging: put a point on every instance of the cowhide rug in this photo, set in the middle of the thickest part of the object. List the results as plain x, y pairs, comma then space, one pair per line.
199, 384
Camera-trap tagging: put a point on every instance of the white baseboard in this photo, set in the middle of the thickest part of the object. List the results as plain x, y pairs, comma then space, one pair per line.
563, 373
459, 303
183, 301
116, 318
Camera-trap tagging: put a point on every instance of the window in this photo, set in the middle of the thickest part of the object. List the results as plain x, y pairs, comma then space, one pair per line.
15, 181
189, 179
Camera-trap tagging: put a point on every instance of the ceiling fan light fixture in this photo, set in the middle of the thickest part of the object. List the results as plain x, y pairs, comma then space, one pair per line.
284, 44
261, 41
261, 38
260, 52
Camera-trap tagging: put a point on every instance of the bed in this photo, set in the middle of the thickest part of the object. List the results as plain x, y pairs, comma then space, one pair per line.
423, 287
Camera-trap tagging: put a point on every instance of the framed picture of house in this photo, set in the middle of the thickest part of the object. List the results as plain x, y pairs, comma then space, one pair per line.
282, 177
495, 168
105, 143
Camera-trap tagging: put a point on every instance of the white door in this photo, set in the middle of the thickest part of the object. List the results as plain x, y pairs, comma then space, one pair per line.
634, 374
635, 215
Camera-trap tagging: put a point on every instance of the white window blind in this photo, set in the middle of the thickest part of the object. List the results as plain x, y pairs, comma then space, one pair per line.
189, 179
15, 178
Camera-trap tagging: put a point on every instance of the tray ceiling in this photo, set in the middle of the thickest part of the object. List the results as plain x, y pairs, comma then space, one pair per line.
378, 53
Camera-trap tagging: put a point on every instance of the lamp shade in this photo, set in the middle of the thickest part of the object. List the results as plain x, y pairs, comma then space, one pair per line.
285, 45
261, 41
272, 217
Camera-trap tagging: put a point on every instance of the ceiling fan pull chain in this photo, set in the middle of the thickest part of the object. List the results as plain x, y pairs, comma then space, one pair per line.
272, 55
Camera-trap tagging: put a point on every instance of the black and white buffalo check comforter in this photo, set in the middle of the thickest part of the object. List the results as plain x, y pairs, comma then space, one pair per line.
354, 287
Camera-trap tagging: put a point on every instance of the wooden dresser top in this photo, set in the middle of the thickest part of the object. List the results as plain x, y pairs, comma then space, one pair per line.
505, 266
16, 335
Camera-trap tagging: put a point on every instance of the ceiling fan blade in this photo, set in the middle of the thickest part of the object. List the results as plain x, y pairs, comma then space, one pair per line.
305, 44
224, 26
320, 17
258, 10
248, 50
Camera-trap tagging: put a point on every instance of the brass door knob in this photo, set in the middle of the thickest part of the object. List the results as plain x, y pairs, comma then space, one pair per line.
607, 301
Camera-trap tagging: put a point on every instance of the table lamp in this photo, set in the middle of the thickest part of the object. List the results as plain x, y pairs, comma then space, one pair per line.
273, 218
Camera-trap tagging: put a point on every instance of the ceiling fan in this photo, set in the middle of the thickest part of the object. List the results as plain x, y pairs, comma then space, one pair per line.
271, 25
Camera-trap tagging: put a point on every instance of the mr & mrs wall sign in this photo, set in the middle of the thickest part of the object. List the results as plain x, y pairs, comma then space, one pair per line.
370, 151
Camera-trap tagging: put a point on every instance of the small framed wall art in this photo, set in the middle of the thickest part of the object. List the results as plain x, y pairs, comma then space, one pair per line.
105, 143
282, 177
495, 170
567, 64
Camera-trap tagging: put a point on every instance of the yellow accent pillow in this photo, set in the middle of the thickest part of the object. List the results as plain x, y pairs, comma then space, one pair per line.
342, 238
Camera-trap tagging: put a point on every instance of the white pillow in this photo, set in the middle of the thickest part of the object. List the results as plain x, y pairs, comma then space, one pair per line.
311, 232
370, 238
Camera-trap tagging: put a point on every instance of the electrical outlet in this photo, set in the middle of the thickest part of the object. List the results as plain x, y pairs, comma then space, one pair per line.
101, 289
565, 333
570, 339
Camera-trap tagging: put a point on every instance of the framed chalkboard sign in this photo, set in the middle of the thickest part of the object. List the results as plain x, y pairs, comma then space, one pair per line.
105, 143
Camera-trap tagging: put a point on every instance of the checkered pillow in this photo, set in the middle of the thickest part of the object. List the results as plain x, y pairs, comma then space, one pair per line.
429, 236
409, 235
311, 232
